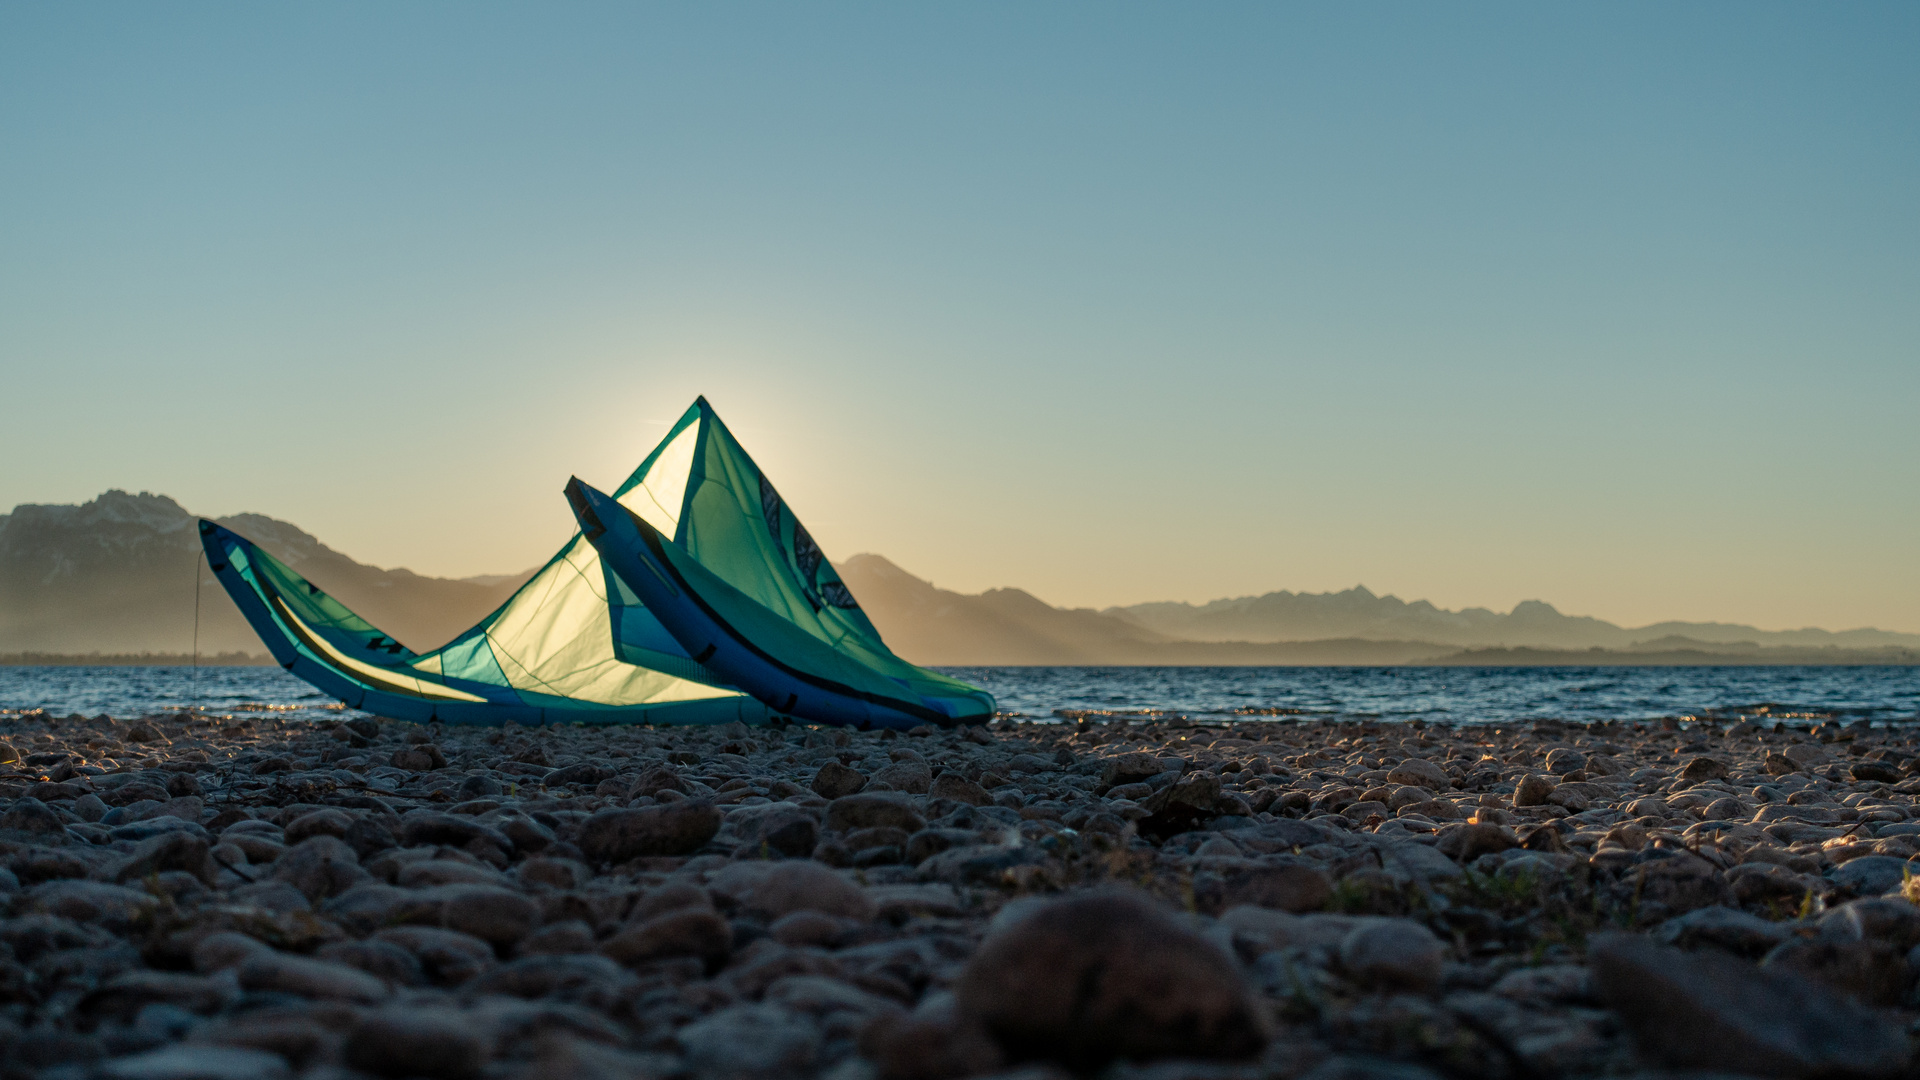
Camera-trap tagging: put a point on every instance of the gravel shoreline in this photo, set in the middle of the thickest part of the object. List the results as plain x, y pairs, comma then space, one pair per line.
193, 897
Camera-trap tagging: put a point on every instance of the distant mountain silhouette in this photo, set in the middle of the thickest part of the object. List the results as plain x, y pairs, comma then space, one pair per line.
1000, 626
928, 625
1681, 652
115, 575
1009, 626
1358, 613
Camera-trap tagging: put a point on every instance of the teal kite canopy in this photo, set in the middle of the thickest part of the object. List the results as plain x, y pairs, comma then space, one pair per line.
739, 584
577, 643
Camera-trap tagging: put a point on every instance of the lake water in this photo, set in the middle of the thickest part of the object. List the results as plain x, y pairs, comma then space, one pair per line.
1453, 695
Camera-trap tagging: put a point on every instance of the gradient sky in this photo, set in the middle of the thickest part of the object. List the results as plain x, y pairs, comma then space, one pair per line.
1615, 306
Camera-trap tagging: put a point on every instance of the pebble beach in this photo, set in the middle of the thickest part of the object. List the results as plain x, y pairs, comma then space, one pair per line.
189, 896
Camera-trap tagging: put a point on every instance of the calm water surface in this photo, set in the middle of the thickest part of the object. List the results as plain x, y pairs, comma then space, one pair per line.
1454, 695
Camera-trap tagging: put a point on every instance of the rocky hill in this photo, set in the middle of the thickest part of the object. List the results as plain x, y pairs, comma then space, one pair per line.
117, 575
1358, 613
1011, 626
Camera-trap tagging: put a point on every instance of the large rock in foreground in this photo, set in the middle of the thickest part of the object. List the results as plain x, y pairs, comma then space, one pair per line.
1709, 1011
1109, 975
613, 836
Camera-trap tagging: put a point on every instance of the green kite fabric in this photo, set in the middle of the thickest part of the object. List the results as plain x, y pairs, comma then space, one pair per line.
545, 656
806, 646
575, 643
548, 654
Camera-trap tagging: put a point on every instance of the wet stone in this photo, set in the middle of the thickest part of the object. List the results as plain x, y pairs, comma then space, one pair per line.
554, 873
835, 780
750, 1041
957, 788
802, 928
439, 1043
774, 889
927, 843
1739, 932
698, 933
1707, 1011
932, 1043
1294, 887
448, 957
1123, 769
1562, 761
1416, 772
197, 1063
1087, 979
866, 811
383, 960
328, 822
30, 815
423, 758
1871, 972
1873, 772
320, 867
561, 976
1532, 790
570, 936
226, 949
1467, 842
428, 873
168, 851
1896, 922
1558, 983
308, 978
500, 916
613, 836
585, 773
792, 833
1872, 875
116, 908
1679, 883
1704, 768
1394, 954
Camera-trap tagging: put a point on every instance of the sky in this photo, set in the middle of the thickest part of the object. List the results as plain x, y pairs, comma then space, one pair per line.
1616, 306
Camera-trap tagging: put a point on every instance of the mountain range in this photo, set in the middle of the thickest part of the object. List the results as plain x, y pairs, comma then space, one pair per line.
1358, 613
116, 576
1011, 626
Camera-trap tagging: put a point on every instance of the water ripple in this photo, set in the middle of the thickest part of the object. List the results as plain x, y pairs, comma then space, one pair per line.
1451, 695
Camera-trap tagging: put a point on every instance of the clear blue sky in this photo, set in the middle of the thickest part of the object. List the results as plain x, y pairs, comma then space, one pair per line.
1612, 305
